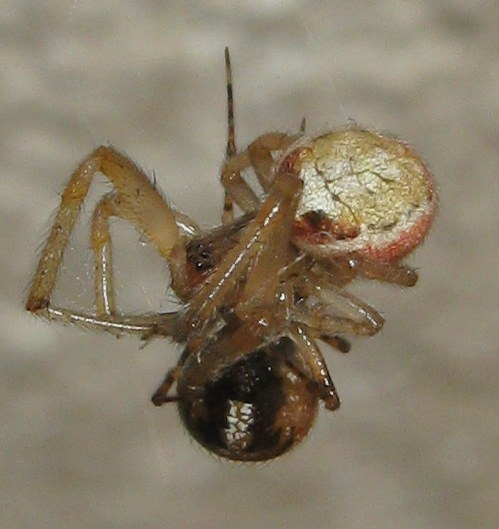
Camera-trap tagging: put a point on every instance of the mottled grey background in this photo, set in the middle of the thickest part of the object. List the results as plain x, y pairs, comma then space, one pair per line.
415, 443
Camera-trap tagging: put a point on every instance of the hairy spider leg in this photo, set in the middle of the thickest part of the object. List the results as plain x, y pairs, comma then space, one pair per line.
138, 201
249, 257
257, 156
225, 351
314, 360
275, 213
231, 149
108, 206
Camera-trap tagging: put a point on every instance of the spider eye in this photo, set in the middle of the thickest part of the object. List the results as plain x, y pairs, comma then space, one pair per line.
255, 409
200, 255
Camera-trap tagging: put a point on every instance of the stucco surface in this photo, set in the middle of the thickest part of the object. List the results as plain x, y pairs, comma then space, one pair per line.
414, 445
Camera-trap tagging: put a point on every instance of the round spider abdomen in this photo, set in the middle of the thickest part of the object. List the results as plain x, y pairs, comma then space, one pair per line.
253, 410
363, 193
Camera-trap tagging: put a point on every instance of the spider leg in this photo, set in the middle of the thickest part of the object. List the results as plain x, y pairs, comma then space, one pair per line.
108, 206
271, 222
396, 273
236, 188
228, 211
282, 306
161, 394
343, 270
142, 325
258, 156
111, 205
229, 346
316, 364
338, 342
269, 296
136, 199
303, 125
339, 312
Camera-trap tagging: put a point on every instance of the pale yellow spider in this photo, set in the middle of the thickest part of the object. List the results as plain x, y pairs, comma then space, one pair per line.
258, 291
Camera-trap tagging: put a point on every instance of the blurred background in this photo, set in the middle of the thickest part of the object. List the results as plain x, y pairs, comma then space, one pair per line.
415, 442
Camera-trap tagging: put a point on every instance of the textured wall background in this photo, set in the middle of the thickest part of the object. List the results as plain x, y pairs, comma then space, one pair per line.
415, 443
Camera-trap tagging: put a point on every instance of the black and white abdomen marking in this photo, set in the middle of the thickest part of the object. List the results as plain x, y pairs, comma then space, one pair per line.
254, 409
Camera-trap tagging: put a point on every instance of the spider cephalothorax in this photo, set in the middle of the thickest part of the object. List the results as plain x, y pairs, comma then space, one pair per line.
258, 291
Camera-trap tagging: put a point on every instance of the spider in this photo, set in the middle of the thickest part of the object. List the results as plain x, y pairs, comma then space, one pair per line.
260, 290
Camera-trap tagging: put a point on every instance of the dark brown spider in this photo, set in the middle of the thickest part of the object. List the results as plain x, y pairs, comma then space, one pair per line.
258, 291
